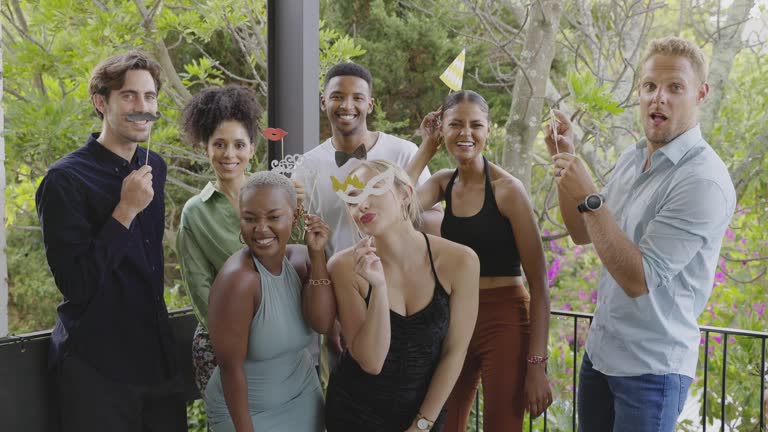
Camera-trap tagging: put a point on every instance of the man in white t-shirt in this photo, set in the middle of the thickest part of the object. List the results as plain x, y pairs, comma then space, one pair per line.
347, 101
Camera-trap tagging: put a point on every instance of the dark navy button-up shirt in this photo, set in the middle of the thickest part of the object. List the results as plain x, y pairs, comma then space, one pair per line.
113, 316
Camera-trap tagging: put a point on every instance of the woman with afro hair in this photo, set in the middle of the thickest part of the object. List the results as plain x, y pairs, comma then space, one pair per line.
222, 121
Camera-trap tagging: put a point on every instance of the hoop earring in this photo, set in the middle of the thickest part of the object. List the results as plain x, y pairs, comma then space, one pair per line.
295, 236
240, 237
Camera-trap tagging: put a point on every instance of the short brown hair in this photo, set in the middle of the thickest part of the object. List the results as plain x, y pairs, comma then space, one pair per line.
675, 46
110, 73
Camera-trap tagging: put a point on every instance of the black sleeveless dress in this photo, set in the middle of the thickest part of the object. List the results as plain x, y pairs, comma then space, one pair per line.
388, 402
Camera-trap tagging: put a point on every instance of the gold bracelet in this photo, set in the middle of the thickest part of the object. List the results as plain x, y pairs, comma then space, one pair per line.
319, 281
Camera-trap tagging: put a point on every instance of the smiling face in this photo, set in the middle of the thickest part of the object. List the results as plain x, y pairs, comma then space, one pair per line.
266, 220
229, 150
670, 93
347, 102
465, 128
137, 95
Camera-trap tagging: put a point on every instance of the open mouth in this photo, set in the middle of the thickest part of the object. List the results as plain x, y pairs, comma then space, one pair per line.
465, 144
657, 118
347, 117
229, 165
264, 242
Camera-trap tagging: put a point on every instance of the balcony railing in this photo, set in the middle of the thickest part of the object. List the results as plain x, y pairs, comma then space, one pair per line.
24, 380
707, 332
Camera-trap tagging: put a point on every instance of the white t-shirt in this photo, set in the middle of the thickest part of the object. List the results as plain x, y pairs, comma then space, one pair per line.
320, 164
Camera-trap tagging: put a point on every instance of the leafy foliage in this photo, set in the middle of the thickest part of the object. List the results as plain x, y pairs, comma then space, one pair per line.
50, 47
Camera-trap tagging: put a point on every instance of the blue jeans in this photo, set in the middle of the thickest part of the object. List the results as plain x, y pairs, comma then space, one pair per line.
645, 403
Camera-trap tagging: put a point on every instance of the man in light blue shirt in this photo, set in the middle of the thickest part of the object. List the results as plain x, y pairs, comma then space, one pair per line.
657, 228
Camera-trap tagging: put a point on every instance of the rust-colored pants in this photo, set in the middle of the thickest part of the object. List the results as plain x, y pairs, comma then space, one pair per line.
497, 353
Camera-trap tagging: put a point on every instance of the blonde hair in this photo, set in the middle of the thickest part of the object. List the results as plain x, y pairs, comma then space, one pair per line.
675, 46
412, 210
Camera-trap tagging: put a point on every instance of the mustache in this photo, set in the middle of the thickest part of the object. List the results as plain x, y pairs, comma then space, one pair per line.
143, 116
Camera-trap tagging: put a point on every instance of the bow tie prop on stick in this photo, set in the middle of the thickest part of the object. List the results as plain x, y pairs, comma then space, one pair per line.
360, 153
145, 116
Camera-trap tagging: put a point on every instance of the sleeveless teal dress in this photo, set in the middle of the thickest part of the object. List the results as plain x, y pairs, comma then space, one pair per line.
284, 393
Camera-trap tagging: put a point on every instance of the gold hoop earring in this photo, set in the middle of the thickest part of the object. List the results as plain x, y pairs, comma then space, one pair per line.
295, 236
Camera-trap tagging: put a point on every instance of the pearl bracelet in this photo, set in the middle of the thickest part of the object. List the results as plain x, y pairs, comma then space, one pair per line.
319, 281
533, 359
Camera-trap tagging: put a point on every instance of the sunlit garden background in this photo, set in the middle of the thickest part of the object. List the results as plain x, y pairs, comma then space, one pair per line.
50, 46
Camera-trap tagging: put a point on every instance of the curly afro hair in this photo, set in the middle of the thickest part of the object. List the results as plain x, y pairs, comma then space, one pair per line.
212, 106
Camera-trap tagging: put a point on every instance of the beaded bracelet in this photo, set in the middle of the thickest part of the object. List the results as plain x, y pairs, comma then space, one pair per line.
319, 281
533, 359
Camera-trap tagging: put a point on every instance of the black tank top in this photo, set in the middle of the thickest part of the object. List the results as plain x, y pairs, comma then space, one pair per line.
488, 232
389, 401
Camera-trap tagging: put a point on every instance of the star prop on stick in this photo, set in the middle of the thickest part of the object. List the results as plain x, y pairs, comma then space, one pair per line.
145, 116
454, 74
274, 134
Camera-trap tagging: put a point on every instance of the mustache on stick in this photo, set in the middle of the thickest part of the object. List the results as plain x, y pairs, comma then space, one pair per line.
143, 116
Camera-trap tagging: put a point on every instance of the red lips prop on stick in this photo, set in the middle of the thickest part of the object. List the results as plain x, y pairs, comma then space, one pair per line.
274, 134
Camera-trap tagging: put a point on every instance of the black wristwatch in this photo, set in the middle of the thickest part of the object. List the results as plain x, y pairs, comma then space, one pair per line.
592, 202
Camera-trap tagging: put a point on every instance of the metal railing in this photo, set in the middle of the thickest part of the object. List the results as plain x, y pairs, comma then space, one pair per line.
707, 331
25, 358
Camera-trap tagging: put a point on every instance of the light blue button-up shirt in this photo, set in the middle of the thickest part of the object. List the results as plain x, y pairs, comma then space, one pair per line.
676, 213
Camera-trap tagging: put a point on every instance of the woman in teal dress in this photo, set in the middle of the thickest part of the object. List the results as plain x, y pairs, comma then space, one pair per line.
264, 305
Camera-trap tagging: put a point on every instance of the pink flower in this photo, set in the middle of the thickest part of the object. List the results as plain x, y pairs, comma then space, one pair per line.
759, 308
593, 294
583, 296
718, 339
566, 307
719, 278
553, 271
729, 234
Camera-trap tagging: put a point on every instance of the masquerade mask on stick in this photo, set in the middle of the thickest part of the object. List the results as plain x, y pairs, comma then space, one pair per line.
145, 116
354, 191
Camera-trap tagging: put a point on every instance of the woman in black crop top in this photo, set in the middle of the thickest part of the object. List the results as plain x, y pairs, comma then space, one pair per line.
407, 304
488, 210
